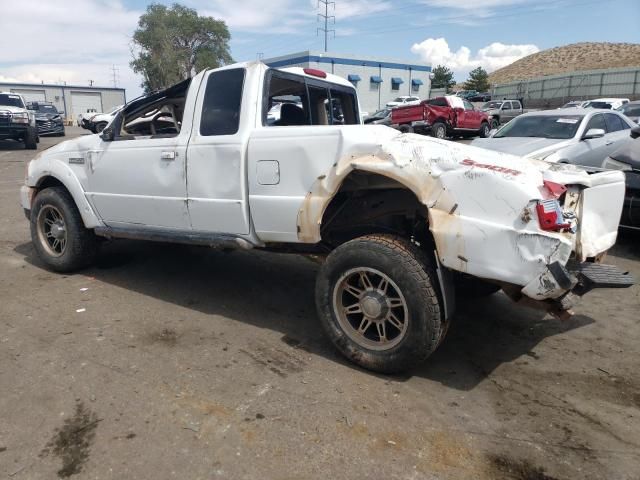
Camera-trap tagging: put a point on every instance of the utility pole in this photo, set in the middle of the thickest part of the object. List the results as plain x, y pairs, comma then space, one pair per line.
325, 16
114, 75
91, 83
259, 56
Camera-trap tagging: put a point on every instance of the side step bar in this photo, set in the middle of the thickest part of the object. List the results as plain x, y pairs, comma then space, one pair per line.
216, 240
597, 275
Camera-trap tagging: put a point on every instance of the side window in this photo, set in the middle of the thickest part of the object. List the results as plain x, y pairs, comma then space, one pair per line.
506, 106
291, 100
222, 100
597, 121
467, 105
438, 102
614, 123
516, 105
344, 111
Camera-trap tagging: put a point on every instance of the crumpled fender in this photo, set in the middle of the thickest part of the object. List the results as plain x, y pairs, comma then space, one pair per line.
480, 202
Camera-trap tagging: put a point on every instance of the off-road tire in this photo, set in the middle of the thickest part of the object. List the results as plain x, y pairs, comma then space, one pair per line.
495, 123
439, 130
31, 139
411, 270
484, 130
99, 127
81, 244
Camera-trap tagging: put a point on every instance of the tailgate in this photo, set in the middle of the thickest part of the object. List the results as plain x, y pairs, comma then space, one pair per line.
601, 208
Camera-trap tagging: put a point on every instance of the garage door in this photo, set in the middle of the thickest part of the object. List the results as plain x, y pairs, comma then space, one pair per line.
31, 95
82, 102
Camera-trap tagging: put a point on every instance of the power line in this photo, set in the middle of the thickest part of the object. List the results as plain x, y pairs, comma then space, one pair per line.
326, 18
115, 75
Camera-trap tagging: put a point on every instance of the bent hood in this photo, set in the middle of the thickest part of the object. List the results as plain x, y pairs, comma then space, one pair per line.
522, 146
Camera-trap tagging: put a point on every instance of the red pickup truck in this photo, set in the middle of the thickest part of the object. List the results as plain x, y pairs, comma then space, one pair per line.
442, 117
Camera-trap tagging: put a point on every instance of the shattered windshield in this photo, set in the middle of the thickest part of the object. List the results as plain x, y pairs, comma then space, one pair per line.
542, 126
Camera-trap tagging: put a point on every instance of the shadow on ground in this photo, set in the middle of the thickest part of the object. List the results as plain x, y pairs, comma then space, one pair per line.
276, 291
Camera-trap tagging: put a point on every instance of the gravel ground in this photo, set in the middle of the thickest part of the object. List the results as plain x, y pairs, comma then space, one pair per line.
180, 362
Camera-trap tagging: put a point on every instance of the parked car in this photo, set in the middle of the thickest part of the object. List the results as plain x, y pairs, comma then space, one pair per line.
574, 104
631, 110
480, 97
48, 119
605, 103
395, 219
97, 122
381, 117
442, 117
466, 94
16, 121
405, 100
84, 118
584, 137
627, 159
502, 111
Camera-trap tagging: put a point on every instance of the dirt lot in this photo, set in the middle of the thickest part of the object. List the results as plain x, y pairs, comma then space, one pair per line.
180, 362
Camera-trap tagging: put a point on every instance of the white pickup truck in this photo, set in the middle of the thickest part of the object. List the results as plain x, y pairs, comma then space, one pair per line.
399, 220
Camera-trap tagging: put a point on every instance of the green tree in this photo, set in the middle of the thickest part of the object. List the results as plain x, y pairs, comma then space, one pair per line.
442, 77
478, 80
172, 44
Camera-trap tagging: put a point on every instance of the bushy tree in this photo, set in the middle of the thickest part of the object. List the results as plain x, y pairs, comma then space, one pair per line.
478, 80
172, 44
442, 77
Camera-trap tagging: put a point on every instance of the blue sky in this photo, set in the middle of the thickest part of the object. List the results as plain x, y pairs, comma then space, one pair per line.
81, 40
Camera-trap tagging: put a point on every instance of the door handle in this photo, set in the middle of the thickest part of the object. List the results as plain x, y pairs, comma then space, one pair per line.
167, 155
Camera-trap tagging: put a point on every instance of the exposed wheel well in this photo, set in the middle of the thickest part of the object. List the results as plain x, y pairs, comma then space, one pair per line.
369, 203
49, 181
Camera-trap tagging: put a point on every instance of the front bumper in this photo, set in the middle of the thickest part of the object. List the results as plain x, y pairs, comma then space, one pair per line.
13, 130
26, 197
50, 128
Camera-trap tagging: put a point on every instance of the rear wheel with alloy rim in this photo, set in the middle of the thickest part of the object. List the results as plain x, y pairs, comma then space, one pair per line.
439, 130
377, 300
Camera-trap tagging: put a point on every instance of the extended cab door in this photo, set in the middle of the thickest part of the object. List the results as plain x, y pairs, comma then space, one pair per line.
469, 118
216, 167
288, 156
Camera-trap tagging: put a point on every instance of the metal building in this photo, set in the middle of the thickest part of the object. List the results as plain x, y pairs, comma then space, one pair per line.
70, 100
377, 80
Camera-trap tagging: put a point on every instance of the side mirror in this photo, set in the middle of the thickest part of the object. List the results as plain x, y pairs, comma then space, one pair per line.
635, 132
108, 134
593, 133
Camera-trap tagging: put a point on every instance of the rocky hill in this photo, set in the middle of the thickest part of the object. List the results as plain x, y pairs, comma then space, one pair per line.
570, 58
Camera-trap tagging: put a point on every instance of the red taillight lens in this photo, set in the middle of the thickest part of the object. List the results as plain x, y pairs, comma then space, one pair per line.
550, 216
556, 189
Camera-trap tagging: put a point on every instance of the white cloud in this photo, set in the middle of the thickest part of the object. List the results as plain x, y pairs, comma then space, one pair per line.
473, 4
436, 51
68, 41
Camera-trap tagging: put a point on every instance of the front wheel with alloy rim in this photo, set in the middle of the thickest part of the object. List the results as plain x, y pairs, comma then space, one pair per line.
484, 130
58, 233
378, 302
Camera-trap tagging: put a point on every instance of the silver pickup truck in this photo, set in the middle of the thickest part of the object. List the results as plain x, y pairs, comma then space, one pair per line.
502, 111
400, 221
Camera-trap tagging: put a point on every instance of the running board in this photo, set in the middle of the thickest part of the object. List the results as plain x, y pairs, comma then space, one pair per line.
597, 275
215, 240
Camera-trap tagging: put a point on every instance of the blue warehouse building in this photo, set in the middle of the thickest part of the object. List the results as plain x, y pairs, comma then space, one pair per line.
377, 80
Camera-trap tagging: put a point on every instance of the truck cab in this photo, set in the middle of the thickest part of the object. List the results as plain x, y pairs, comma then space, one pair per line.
16, 121
398, 221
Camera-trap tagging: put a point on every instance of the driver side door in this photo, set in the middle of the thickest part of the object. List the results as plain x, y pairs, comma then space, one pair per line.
139, 182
